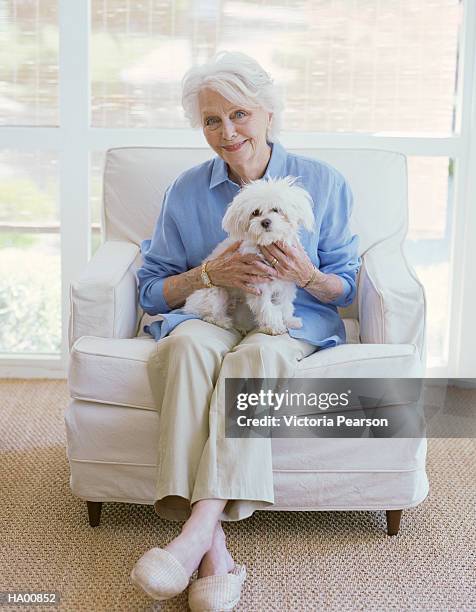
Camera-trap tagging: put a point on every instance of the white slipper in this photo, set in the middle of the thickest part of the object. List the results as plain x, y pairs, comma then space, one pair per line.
217, 593
160, 574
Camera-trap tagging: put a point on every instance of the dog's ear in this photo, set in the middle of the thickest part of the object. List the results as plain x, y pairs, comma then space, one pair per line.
305, 207
302, 203
291, 180
234, 221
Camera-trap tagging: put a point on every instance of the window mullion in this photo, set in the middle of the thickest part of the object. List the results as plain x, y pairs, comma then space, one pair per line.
74, 27
462, 332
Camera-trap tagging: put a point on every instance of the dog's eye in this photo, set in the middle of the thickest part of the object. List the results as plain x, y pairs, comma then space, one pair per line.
255, 213
275, 210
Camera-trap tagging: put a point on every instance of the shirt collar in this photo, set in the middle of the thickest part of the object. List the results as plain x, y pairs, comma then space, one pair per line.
276, 166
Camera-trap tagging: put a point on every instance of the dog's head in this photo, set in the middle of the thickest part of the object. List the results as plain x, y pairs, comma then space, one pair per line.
265, 211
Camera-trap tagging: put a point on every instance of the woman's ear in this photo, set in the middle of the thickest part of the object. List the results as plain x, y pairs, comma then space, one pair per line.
268, 127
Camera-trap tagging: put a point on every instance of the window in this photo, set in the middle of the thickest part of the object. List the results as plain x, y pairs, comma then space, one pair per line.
29, 62
30, 296
354, 74
344, 66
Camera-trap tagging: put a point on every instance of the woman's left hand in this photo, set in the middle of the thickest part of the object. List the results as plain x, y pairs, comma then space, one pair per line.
292, 263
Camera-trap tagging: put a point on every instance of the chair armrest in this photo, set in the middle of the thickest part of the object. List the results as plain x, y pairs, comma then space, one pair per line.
103, 301
392, 305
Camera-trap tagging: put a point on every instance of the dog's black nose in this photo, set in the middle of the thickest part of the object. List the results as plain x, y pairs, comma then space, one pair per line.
266, 223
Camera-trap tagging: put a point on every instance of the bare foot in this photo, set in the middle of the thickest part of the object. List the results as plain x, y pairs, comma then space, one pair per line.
217, 561
190, 546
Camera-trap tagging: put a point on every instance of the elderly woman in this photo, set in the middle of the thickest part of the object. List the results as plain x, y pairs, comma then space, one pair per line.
204, 477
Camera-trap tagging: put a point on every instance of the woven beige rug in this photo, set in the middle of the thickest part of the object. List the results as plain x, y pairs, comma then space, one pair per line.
297, 561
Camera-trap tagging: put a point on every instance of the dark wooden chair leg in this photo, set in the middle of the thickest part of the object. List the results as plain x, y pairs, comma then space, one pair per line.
94, 513
393, 521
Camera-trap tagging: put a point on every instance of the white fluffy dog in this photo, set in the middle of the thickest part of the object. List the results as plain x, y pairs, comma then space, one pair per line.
264, 211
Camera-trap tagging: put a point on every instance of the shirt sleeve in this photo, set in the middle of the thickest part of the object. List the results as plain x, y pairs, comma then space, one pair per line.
338, 248
163, 256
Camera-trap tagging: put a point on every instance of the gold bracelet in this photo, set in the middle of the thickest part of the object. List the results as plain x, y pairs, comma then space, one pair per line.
313, 276
204, 276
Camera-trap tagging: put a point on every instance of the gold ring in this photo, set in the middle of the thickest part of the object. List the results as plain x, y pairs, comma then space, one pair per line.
274, 261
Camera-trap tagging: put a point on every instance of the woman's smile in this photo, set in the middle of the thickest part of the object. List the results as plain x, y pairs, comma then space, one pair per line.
234, 147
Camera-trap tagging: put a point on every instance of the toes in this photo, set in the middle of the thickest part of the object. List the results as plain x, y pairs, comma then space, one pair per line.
294, 323
272, 331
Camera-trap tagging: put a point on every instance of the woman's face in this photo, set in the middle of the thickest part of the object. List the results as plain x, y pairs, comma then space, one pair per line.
236, 133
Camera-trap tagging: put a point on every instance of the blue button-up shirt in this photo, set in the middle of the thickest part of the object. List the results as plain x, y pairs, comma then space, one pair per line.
189, 228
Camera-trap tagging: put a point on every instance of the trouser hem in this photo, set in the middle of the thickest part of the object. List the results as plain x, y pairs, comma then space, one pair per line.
248, 497
237, 508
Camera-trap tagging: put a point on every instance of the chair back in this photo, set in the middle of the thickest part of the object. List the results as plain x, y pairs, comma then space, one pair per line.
135, 179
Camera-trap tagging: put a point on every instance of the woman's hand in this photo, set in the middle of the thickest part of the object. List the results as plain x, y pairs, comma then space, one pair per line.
292, 263
232, 269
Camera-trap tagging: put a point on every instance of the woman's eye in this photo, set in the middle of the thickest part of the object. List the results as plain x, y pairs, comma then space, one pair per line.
276, 210
255, 213
211, 120
240, 114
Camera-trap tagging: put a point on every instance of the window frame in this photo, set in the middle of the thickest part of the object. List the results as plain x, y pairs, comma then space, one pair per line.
74, 139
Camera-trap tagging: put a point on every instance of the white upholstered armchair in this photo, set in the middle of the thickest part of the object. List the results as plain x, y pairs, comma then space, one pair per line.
111, 421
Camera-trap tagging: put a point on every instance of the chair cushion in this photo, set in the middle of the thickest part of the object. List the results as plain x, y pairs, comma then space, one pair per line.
111, 371
114, 370
363, 361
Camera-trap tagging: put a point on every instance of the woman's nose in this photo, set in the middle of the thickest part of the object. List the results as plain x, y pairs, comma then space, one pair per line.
228, 129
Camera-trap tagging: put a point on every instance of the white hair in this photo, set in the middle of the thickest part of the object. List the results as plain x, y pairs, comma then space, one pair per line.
238, 78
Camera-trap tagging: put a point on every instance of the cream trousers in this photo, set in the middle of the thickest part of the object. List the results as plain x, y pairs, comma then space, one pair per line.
187, 374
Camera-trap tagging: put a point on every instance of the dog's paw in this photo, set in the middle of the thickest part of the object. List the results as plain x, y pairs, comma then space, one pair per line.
272, 331
226, 322
294, 323
242, 330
